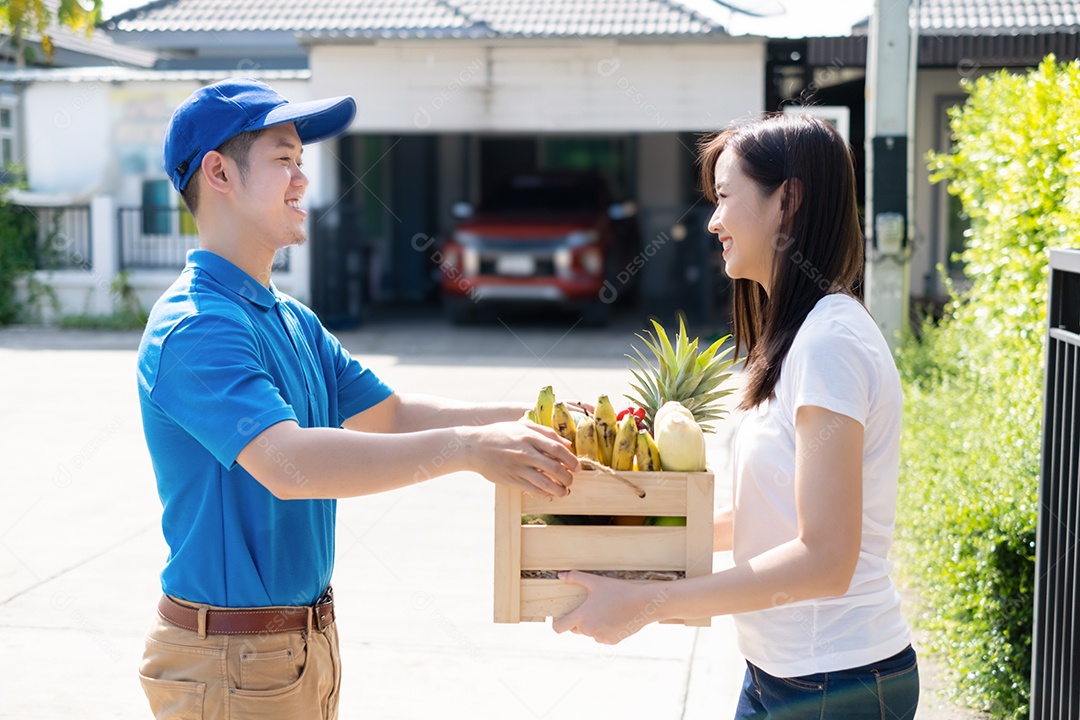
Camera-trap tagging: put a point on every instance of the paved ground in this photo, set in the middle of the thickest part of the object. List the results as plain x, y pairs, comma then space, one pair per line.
80, 547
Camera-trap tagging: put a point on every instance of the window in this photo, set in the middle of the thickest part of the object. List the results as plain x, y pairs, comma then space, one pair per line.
161, 207
9, 151
156, 210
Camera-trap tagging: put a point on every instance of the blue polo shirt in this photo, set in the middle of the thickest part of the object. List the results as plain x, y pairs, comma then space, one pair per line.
222, 359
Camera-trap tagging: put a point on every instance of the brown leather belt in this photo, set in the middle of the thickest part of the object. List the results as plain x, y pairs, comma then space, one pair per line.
248, 621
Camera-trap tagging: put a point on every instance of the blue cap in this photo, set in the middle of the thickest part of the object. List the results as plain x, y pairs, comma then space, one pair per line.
225, 109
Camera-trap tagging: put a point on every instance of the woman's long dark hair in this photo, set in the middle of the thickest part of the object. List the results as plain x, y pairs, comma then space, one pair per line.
819, 248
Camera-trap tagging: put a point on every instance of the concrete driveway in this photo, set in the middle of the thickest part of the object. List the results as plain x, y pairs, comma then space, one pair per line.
81, 548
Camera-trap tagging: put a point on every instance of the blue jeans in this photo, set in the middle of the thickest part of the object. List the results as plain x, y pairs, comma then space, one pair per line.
884, 690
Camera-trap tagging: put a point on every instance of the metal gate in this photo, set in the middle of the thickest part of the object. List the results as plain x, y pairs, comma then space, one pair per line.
1055, 674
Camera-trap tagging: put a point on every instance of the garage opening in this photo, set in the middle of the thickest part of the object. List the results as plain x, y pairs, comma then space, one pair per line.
411, 229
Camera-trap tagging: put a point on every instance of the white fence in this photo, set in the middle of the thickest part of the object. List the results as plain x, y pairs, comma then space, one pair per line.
86, 260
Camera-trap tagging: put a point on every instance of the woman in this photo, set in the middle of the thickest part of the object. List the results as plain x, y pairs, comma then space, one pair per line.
817, 454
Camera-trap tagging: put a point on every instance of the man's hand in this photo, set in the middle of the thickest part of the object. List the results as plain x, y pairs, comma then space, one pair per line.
522, 455
582, 407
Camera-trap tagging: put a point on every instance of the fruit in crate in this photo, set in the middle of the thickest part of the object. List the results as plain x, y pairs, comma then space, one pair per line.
607, 426
588, 445
675, 521
622, 457
638, 413
672, 406
545, 406
678, 395
648, 454
679, 371
681, 442
563, 423
664, 431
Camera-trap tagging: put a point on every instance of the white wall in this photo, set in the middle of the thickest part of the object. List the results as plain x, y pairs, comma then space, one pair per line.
544, 87
90, 140
66, 128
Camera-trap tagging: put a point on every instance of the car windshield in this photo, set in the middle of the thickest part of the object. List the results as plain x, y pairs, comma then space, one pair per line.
537, 194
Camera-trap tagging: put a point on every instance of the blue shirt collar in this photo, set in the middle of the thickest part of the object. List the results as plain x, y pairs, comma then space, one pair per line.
233, 278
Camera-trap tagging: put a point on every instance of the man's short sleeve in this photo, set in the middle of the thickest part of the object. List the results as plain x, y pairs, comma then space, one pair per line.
209, 379
358, 387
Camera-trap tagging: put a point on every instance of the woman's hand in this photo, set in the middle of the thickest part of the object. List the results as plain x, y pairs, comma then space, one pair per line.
613, 610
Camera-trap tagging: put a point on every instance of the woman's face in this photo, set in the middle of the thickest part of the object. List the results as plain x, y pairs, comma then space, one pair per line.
745, 222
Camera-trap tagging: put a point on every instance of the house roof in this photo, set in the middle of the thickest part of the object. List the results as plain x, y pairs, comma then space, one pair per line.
83, 49
420, 18
969, 34
992, 18
72, 47
998, 17
113, 73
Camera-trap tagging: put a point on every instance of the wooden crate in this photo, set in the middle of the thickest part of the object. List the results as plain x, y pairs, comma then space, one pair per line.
598, 547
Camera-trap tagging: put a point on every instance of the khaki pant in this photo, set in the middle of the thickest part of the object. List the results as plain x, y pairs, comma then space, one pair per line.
236, 677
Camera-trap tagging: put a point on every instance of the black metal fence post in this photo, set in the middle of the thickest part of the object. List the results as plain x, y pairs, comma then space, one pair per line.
1055, 667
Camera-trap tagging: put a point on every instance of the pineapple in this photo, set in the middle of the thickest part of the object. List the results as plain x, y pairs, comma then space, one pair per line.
681, 373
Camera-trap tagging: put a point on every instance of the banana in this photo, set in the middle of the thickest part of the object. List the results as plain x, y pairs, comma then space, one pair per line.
587, 445
606, 427
544, 405
625, 445
529, 415
648, 455
563, 423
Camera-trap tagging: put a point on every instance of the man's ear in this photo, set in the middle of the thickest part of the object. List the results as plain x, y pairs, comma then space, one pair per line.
217, 171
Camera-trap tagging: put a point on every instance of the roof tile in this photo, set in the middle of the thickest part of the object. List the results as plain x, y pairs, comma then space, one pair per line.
960, 17
413, 18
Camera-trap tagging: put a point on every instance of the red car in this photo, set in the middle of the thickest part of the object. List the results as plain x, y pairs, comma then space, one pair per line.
548, 238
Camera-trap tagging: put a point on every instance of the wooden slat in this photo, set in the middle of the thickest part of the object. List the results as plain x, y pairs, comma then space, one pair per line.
596, 493
542, 599
507, 555
584, 547
699, 533
699, 526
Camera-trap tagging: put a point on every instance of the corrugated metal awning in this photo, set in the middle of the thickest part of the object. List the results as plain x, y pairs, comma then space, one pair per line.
953, 50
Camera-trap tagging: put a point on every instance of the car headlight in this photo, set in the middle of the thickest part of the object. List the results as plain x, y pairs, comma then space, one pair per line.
451, 258
563, 262
591, 260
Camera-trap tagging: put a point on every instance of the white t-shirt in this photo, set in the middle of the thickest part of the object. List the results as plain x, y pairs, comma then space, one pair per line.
839, 361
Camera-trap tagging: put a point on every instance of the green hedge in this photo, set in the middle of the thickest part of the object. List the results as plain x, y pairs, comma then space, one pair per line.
18, 234
973, 384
